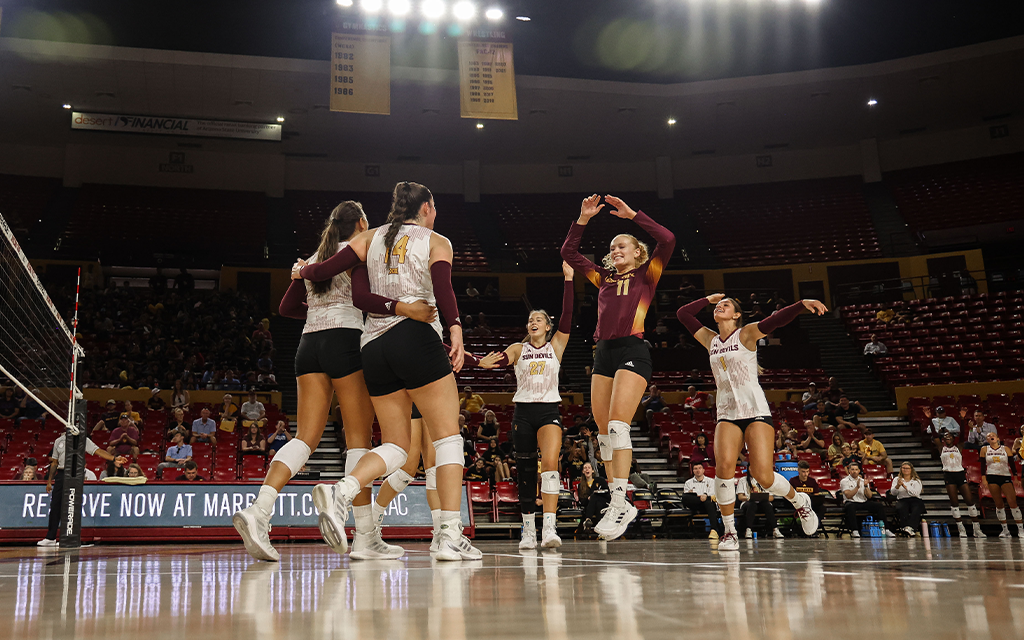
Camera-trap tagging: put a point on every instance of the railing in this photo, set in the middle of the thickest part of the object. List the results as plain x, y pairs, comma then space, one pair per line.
894, 289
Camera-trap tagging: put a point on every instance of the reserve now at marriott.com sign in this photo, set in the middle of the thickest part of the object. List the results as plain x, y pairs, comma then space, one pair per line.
175, 126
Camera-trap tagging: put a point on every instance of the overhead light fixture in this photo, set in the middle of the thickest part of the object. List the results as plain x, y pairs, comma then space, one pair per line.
494, 14
523, 18
872, 102
66, 105
344, 3
371, 6
671, 121
479, 125
280, 118
464, 10
432, 8
399, 7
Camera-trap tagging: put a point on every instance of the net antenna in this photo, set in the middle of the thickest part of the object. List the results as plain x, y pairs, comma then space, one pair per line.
38, 352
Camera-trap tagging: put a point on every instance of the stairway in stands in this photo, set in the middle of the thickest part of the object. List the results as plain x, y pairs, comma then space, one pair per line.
894, 237
842, 357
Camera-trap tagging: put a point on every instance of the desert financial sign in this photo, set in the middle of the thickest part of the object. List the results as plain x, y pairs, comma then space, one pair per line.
175, 126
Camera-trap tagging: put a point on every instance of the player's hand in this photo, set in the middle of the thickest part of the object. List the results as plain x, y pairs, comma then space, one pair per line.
815, 307
622, 209
490, 361
420, 311
703, 498
591, 207
567, 271
458, 352
715, 298
296, 268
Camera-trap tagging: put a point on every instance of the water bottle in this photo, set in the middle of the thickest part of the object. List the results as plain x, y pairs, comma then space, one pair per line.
934, 530
755, 535
924, 529
945, 530
865, 528
878, 533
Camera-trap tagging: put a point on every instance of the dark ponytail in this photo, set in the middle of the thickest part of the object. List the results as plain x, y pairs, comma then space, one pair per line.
406, 201
341, 224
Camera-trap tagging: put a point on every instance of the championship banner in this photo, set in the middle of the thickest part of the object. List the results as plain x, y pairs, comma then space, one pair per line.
487, 80
361, 73
175, 126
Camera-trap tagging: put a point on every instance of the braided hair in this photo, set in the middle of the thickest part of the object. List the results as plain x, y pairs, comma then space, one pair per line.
406, 201
341, 224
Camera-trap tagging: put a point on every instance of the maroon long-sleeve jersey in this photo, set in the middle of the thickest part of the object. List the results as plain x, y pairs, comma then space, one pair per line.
624, 298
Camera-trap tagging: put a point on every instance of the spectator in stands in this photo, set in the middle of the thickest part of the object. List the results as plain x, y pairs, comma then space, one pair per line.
124, 440
593, 495
696, 400
940, 425
266, 363
479, 472
653, 403
491, 291
814, 441
874, 348
851, 454
833, 392
204, 429
885, 316
108, 421
176, 456
698, 496
573, 460
191, 473
873, 452
489, 429
267, 381
230, 382
30, 409
10, 407
471, 291
804, 483
906, 488
179, 397
835, 450
253, 411
683, 342
28, 469
115, 469
177, 424
858, 496
254, 443
482, 328
786, 439
184, 282
278, 438
753, 499
156, 403
135, 471
496, 459
261, 334
845, 414
702, 453
228, 413
470, 402
639, 479
812, 397
977, 430
756, 314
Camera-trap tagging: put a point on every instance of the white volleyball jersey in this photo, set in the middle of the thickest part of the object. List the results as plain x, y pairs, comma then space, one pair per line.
952, 460
401, 274
997, 463
740, 397
537, 374
333, 309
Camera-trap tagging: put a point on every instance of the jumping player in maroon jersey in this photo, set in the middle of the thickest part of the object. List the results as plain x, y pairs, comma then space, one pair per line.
622, 362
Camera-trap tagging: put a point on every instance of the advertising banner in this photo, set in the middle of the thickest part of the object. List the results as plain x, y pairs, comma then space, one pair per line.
175, 126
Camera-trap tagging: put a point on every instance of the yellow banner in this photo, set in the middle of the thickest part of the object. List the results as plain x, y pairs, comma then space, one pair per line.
361, 73
487, 80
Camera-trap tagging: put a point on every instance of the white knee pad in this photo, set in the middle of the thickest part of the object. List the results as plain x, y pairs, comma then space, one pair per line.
956, 512
972, 511
1001, 515
448, 451
1016, 514
725, 491
618, 435
605, 442
353, 458
780, 486
293, 455
399, 480
549, 483
394, 456
431, 479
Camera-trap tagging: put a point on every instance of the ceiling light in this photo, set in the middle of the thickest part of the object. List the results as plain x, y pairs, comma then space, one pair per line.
371, 6
671, 121
432, 8
66, 105
479, 125
399, 7
494, 13
344, 3
872, 102
280, 118
523, 18
464, 10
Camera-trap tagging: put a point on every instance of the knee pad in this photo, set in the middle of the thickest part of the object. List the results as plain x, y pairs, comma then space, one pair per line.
525, 440
431, 479
725, 491
618, 435
605, 442
1016, 514
1001, 515
448, 451
549, 483
956, 512
780, 486
394, 456
353, 458
399, 480
972, 511
293, 455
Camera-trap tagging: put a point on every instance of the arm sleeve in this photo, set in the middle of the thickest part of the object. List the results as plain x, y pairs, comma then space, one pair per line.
571, 254
468, 359
666, 244
780, 318
293, 304
687, 314
336, 264
364, 300
568, 298
441, 276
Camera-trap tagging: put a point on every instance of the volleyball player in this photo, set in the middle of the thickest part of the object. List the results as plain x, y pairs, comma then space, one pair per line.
405, 362
327, 362
1000, 482
537, 420
743, 412
955, 478
622, 362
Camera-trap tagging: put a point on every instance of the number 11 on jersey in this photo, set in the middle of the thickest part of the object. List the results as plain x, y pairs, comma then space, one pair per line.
622, 288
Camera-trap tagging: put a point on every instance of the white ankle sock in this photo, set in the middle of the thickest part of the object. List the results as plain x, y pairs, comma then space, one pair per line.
618, 489
364, 518
378, 513
266, 499
549, 521
530, 520
729, 522
435, 517
448, 516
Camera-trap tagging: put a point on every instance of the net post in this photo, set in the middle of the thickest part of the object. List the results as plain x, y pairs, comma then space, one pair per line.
74, 479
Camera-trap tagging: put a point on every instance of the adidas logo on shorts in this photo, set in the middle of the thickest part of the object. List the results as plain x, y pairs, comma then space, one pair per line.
629, 364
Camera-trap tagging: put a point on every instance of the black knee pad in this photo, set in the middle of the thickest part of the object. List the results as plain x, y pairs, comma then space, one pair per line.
526, 471
524, 438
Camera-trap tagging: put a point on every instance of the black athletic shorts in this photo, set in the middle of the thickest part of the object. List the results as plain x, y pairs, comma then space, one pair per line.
416, 413
410, 355
629, 353
331, 351
956, 478
534, 415
746, 422
999, 480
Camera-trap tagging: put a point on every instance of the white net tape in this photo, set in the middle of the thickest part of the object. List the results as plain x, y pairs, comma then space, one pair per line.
35, 343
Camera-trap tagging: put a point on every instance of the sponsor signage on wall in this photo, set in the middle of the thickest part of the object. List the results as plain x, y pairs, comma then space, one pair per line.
175, 126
